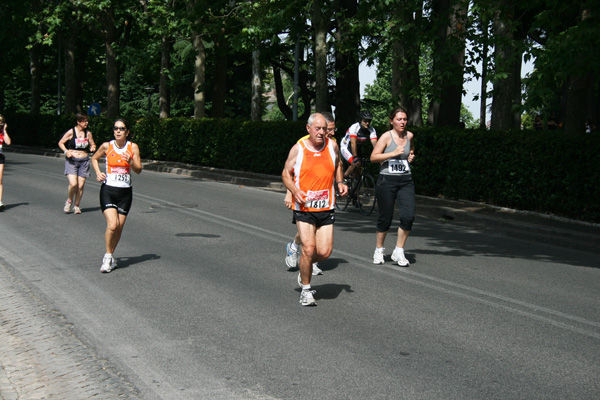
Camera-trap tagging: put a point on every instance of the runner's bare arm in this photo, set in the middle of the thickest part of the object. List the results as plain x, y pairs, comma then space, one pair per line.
288, 175
100, 152
136, 161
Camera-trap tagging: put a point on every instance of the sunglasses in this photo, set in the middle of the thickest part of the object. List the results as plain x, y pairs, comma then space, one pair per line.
119, 128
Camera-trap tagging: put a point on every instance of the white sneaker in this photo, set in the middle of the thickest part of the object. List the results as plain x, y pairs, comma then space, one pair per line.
299, 280
107, 263
291, 259
77, 210
378, 256
398, 256
67, 208
317, 270
307, 298
113, 263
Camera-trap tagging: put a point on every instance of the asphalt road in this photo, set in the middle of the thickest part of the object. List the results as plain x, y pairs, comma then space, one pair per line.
203, 307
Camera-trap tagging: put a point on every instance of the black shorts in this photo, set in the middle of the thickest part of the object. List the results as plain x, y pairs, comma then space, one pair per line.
320, 218
116, 197
2, 158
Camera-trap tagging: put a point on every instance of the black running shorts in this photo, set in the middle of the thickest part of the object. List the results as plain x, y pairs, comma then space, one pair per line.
115, 197
320, 218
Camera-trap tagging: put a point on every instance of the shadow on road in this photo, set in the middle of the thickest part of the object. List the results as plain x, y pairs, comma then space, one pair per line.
329, 291
15, 205
193, 234
125, 262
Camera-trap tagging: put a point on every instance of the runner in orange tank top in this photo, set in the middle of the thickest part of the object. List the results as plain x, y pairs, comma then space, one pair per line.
311, 168
293, 248
116, 194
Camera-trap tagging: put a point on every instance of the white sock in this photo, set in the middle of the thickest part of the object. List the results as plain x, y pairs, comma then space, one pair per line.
379, 249
399, 249
306, 287
294, 246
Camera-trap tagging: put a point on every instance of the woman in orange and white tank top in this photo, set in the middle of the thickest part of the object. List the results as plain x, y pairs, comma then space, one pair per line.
4, 140
116, 194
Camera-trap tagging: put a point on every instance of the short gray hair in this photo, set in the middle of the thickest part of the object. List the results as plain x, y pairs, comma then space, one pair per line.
312, 118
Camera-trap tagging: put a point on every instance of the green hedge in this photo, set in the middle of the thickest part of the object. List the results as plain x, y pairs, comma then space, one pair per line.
540, 171
232, 144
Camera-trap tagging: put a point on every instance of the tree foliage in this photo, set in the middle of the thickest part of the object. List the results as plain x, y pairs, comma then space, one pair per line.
64, 55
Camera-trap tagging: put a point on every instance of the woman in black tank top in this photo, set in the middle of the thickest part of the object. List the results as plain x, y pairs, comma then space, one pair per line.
77, 143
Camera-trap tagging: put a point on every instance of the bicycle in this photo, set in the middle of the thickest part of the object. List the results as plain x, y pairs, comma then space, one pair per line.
361, 191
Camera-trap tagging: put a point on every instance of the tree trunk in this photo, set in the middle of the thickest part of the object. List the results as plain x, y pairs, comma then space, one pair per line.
507, 91
593, 104
320, 43
347, 84
220, 83
576, 104
484, 78
281, 103
109, 34
255, 101
164, 91
406, 80
71, 81
82, 51
112, 81
35, 69
2, 91
449, 55
579, 97
199, 77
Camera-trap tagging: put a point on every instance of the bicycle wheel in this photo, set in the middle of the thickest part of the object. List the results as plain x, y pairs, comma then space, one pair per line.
341, 203
366, 194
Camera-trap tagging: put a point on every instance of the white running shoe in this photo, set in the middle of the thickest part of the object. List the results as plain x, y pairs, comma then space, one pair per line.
299, 280
398, 256
113, 263
77, 210
378, 256
67, 208
307, 298
316, 269
291, 259
107, 263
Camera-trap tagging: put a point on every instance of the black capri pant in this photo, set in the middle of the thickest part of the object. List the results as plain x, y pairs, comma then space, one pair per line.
389, 189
